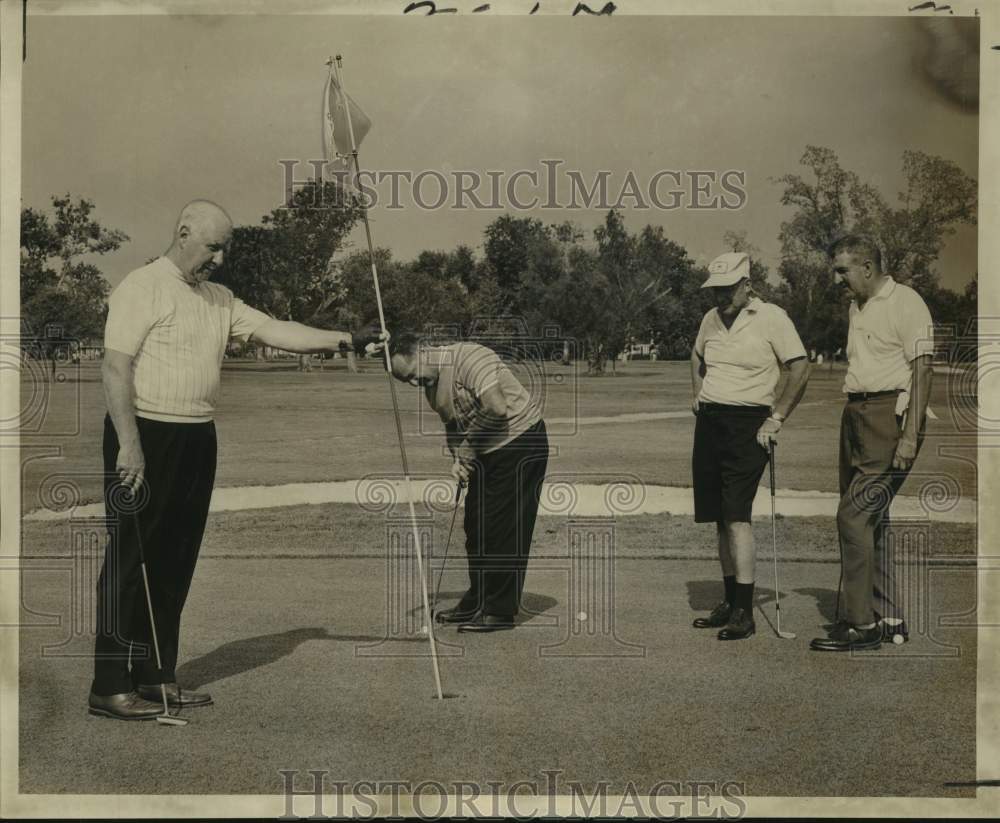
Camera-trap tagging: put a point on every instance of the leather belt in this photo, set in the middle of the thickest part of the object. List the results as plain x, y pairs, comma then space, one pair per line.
868, 395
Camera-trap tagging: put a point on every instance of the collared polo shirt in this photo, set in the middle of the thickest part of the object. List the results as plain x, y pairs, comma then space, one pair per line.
176, 332
884, 336
466, 372
742, 363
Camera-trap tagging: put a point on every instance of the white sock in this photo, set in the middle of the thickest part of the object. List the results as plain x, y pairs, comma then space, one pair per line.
891, 621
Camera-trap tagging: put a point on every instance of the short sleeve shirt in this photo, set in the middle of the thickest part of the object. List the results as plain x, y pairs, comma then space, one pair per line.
742, 363
884, 337
176, 333
466, 372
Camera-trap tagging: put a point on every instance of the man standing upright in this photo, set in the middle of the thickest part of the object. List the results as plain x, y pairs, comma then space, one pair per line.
499, 446
890, 346
165, 338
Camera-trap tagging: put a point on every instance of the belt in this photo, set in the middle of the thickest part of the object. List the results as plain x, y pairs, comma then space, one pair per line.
869, 395
726, 407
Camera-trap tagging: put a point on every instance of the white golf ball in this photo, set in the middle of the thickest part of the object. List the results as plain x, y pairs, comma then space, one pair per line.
423, 629
897, 639
581, 616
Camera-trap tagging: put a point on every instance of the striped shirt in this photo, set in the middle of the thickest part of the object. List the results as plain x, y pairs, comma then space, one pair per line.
466, 372
176, 332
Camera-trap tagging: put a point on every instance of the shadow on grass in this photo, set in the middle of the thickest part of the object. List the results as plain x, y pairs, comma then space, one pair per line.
704, 595
826, 601
250, 653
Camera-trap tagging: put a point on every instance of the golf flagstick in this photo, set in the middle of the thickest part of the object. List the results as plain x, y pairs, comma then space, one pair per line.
392, 391
774, 550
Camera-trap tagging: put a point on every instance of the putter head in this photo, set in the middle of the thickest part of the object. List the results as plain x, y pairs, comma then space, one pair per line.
786, 635
171, 720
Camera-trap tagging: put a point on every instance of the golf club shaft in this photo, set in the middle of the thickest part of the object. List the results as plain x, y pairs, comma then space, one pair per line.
774, 530
392, 391
152, 618
447, 545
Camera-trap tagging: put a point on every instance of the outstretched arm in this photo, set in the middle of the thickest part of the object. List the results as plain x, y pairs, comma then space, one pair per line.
299, 338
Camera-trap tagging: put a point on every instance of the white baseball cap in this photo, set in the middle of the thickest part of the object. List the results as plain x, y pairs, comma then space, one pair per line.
727, 269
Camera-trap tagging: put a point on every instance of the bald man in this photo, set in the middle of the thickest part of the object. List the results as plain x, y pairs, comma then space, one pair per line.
165, 336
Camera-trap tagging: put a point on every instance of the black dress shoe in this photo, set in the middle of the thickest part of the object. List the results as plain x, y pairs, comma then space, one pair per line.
487, 623
125, 706
739, 627
719, 616
177, 698
458, 614
848, 638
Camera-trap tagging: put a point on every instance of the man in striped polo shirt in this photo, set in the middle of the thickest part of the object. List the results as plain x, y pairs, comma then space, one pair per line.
166, 333
499, 446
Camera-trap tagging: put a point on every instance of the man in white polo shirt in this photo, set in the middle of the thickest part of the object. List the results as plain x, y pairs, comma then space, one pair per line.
735, 366
890, 346
165, 337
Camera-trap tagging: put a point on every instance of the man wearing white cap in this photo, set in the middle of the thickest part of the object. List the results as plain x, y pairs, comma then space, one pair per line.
735, 366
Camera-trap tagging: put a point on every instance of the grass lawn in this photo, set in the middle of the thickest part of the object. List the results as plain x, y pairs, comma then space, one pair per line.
307, 633
308, 672
277, 425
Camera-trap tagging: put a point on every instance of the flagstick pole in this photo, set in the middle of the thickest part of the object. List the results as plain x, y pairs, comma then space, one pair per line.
392, 391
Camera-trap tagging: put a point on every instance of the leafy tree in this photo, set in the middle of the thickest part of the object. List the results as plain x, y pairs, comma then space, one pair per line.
513, 248
58, 289
937, 197
286, 266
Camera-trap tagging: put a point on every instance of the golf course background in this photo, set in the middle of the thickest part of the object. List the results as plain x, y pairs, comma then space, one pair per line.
290, 621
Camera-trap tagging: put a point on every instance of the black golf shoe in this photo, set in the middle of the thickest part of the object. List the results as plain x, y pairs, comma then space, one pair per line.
847, 638
488, 623
177, 698
125, 706
719, 616
458, 614
739, 627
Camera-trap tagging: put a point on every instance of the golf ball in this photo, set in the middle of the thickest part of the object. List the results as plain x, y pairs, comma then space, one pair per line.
897, 639
581, 616
423, 629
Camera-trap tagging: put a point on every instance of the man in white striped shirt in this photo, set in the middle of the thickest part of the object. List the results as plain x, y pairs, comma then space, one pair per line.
165, 337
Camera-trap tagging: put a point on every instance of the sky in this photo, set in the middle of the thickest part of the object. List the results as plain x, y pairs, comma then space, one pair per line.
142, 113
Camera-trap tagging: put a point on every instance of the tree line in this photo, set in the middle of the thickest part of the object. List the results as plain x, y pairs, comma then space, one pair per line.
601, 291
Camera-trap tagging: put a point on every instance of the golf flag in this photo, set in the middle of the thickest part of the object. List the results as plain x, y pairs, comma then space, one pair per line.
336, 135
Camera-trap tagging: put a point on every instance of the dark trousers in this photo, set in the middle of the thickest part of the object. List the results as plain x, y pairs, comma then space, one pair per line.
500, 511
869, 434
170, 514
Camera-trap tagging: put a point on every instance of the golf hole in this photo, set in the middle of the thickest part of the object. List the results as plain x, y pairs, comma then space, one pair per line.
448, 696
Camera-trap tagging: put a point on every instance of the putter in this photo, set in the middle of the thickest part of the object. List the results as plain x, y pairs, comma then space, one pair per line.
167, 719
447, 545
774, 551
